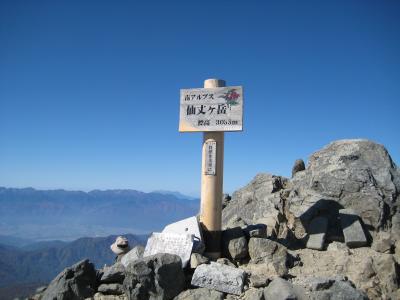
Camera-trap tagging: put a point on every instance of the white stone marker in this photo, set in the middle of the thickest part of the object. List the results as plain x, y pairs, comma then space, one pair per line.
185, 226
188, 226
178, 244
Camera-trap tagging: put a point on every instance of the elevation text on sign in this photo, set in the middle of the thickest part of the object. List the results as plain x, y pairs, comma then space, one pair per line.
211, 109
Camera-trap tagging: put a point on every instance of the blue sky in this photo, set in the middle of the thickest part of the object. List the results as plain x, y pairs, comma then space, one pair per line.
89, 90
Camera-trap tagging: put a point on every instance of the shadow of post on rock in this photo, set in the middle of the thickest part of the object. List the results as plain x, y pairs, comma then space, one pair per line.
328, 209
327, 221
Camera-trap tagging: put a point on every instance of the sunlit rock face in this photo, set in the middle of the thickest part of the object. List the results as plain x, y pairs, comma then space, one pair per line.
356, 174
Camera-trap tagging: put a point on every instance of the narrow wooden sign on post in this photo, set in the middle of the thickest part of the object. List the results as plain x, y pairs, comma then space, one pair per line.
213, 110
211, 158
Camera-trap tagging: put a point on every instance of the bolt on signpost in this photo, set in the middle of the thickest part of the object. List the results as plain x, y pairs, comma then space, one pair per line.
212, 110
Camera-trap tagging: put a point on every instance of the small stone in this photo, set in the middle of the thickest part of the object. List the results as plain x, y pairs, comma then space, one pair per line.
318, 283
235, 221
226, 262
339, 290
280, 289
395, 295
225, 200
353, 232
75, 282
260, 274
272, 224
234, 243
100, 296
219, 277
254, 294
200, 294
113, 274
41, 289
298, 166
383, 243
38, 293
397, 251
158, 276
336, 246
335, 287
267, 251
387, 272
316, 233
260, 249
197, 259
132, 255
258, 281
256, 230
111, 289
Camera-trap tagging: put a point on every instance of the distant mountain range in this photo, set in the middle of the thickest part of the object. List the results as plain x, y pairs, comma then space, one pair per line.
176, 194
36, 264
36, 215
37, 227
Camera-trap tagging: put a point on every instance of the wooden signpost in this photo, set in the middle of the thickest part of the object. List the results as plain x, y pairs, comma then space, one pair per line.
212, 110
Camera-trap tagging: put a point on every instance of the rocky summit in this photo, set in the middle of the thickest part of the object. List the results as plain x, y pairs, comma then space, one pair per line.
332, 231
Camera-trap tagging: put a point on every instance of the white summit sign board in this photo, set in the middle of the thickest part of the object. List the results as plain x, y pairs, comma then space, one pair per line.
211, 109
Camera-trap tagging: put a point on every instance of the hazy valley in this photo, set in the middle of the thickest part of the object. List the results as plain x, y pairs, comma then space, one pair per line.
36, 215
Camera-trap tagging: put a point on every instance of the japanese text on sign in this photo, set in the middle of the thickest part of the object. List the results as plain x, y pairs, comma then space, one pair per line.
211, 154
214, 109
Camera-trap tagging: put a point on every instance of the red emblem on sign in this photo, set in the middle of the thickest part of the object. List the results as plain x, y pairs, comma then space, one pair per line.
231, 97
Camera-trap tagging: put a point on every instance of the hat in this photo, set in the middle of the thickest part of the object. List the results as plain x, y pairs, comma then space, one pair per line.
120, 245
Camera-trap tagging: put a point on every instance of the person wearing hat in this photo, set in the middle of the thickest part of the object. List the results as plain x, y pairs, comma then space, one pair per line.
120, 247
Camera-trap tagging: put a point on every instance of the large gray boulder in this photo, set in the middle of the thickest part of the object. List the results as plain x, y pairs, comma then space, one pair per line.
234, 243
280, 289
259, 275
74, 283
219, 277
158, 277
259, 199
134, 254
383, 243
347, 174
113, 274
266, 251
254, 294
387, 273
356, 174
